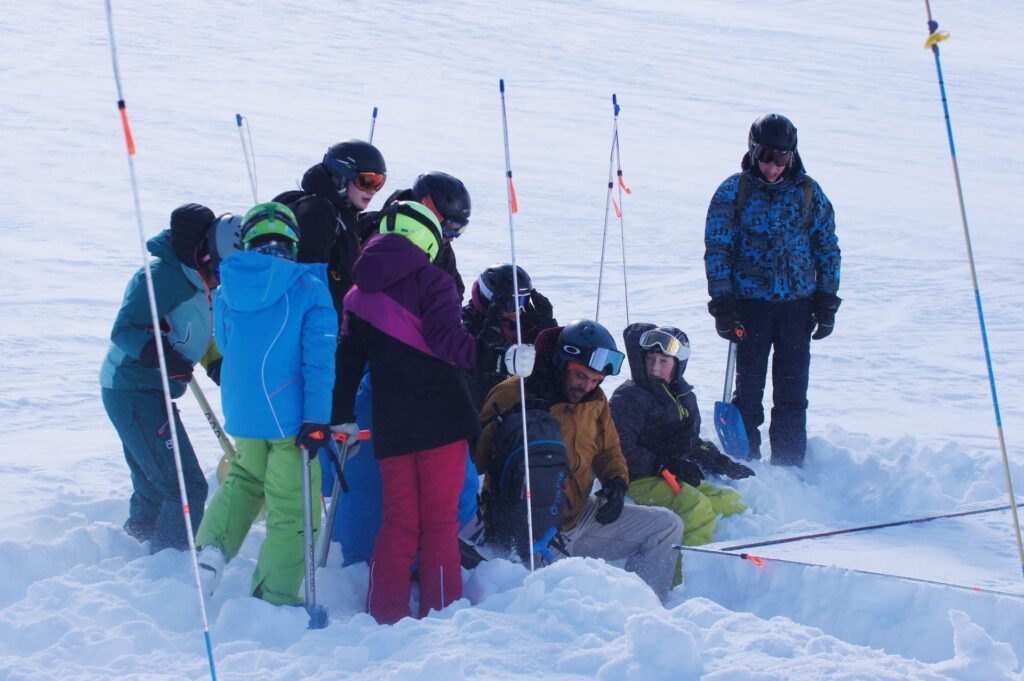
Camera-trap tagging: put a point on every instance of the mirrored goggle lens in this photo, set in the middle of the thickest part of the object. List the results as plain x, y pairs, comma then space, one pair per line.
452, 229
520, 302
774, 156
369, 182
608, 362
665, 343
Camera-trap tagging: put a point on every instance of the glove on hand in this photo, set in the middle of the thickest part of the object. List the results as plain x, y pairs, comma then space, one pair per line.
519, 359
736, 471
727, 323
213, 370
823, 313
538, 313
351, 432
179, 367
312, 436
614, 494
685, 471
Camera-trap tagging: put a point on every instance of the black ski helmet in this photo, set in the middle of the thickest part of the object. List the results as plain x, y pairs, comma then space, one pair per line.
590, 344
449, 196
496, 280
774, 131
346, 159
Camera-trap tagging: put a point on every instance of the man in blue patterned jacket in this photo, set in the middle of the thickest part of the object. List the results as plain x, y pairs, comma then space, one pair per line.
772, 263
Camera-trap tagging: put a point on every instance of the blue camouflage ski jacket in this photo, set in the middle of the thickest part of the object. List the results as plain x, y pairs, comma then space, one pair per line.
771, 248
183, 305
277, 329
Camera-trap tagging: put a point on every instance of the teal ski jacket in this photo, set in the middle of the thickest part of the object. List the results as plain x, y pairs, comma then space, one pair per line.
183, 305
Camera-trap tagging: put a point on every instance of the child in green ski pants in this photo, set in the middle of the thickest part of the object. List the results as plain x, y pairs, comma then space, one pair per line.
658, 421
277, 329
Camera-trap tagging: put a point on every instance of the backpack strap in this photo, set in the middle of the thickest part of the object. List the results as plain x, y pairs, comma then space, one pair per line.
809, 200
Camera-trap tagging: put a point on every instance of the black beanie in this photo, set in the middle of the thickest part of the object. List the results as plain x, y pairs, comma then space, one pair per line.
189, 224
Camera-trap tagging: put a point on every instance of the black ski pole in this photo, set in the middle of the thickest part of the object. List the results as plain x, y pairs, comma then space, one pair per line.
863, 528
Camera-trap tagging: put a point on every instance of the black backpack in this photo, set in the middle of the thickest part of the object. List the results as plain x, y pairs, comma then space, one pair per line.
505, 501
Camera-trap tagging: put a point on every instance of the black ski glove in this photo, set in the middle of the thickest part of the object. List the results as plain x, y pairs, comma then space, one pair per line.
685, 471
823, 313
313, 436
179, 367
213, 370
717, 463
614, 494
727, 322
538, 313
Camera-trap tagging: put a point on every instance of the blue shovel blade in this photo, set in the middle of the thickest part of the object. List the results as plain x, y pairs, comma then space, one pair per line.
318, 617
731, 433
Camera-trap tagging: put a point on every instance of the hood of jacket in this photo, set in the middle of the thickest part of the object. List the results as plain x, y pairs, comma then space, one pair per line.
634, 353
318, 181
791, 176
254, 281
160, 247
387, 259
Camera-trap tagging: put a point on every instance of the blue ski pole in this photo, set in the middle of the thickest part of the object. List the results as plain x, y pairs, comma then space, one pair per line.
935, 36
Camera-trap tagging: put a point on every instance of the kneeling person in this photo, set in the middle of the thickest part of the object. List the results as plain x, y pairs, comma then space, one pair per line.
571, 363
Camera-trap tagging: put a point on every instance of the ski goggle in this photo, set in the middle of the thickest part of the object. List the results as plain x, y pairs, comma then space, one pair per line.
453, 229
519, 304
665, 343
776, 157
602, 360
369, 182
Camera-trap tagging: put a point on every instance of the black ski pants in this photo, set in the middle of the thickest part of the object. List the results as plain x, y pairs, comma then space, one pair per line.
783, 328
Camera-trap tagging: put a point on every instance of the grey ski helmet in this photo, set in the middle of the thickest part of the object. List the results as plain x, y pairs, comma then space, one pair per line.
224, 238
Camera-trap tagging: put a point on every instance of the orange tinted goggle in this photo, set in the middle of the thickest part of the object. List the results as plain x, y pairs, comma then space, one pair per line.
369, 182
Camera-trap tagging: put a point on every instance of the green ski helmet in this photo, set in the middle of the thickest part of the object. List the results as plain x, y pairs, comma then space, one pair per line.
416, 223
270, 221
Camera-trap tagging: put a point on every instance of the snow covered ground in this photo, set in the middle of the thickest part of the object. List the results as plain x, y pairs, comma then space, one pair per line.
901, 418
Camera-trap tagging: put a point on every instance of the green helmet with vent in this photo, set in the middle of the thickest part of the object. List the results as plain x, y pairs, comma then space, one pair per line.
270, 222
416, 223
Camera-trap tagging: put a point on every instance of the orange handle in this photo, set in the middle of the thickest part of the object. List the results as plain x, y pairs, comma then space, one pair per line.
362, 437
671, 480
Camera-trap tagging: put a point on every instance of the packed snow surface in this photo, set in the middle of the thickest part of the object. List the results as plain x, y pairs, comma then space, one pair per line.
901, 417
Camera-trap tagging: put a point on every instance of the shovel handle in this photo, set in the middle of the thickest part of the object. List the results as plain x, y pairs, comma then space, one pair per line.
671, 480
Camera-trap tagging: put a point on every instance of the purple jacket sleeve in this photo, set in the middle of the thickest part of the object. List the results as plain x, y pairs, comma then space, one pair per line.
441, 316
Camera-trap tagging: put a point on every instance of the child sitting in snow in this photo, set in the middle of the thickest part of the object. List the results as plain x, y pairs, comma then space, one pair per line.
658, 421
276, 325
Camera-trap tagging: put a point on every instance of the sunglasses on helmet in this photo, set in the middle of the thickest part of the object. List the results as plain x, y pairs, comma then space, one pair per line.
602, 360
369, 182
665, 343
776, 157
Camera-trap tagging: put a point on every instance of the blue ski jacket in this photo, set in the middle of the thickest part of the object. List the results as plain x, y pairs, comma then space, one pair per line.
775, 246
276, 326
183, 305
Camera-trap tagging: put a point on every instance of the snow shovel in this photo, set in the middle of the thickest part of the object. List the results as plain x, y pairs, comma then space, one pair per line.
338, 458
317, 613
728, 420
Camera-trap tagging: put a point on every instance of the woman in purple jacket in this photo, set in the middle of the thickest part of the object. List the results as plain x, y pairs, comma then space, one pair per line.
403, 317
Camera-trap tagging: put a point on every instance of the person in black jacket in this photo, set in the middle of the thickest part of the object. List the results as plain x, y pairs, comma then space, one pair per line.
658, 421
448, 199
329, 209
490, 316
